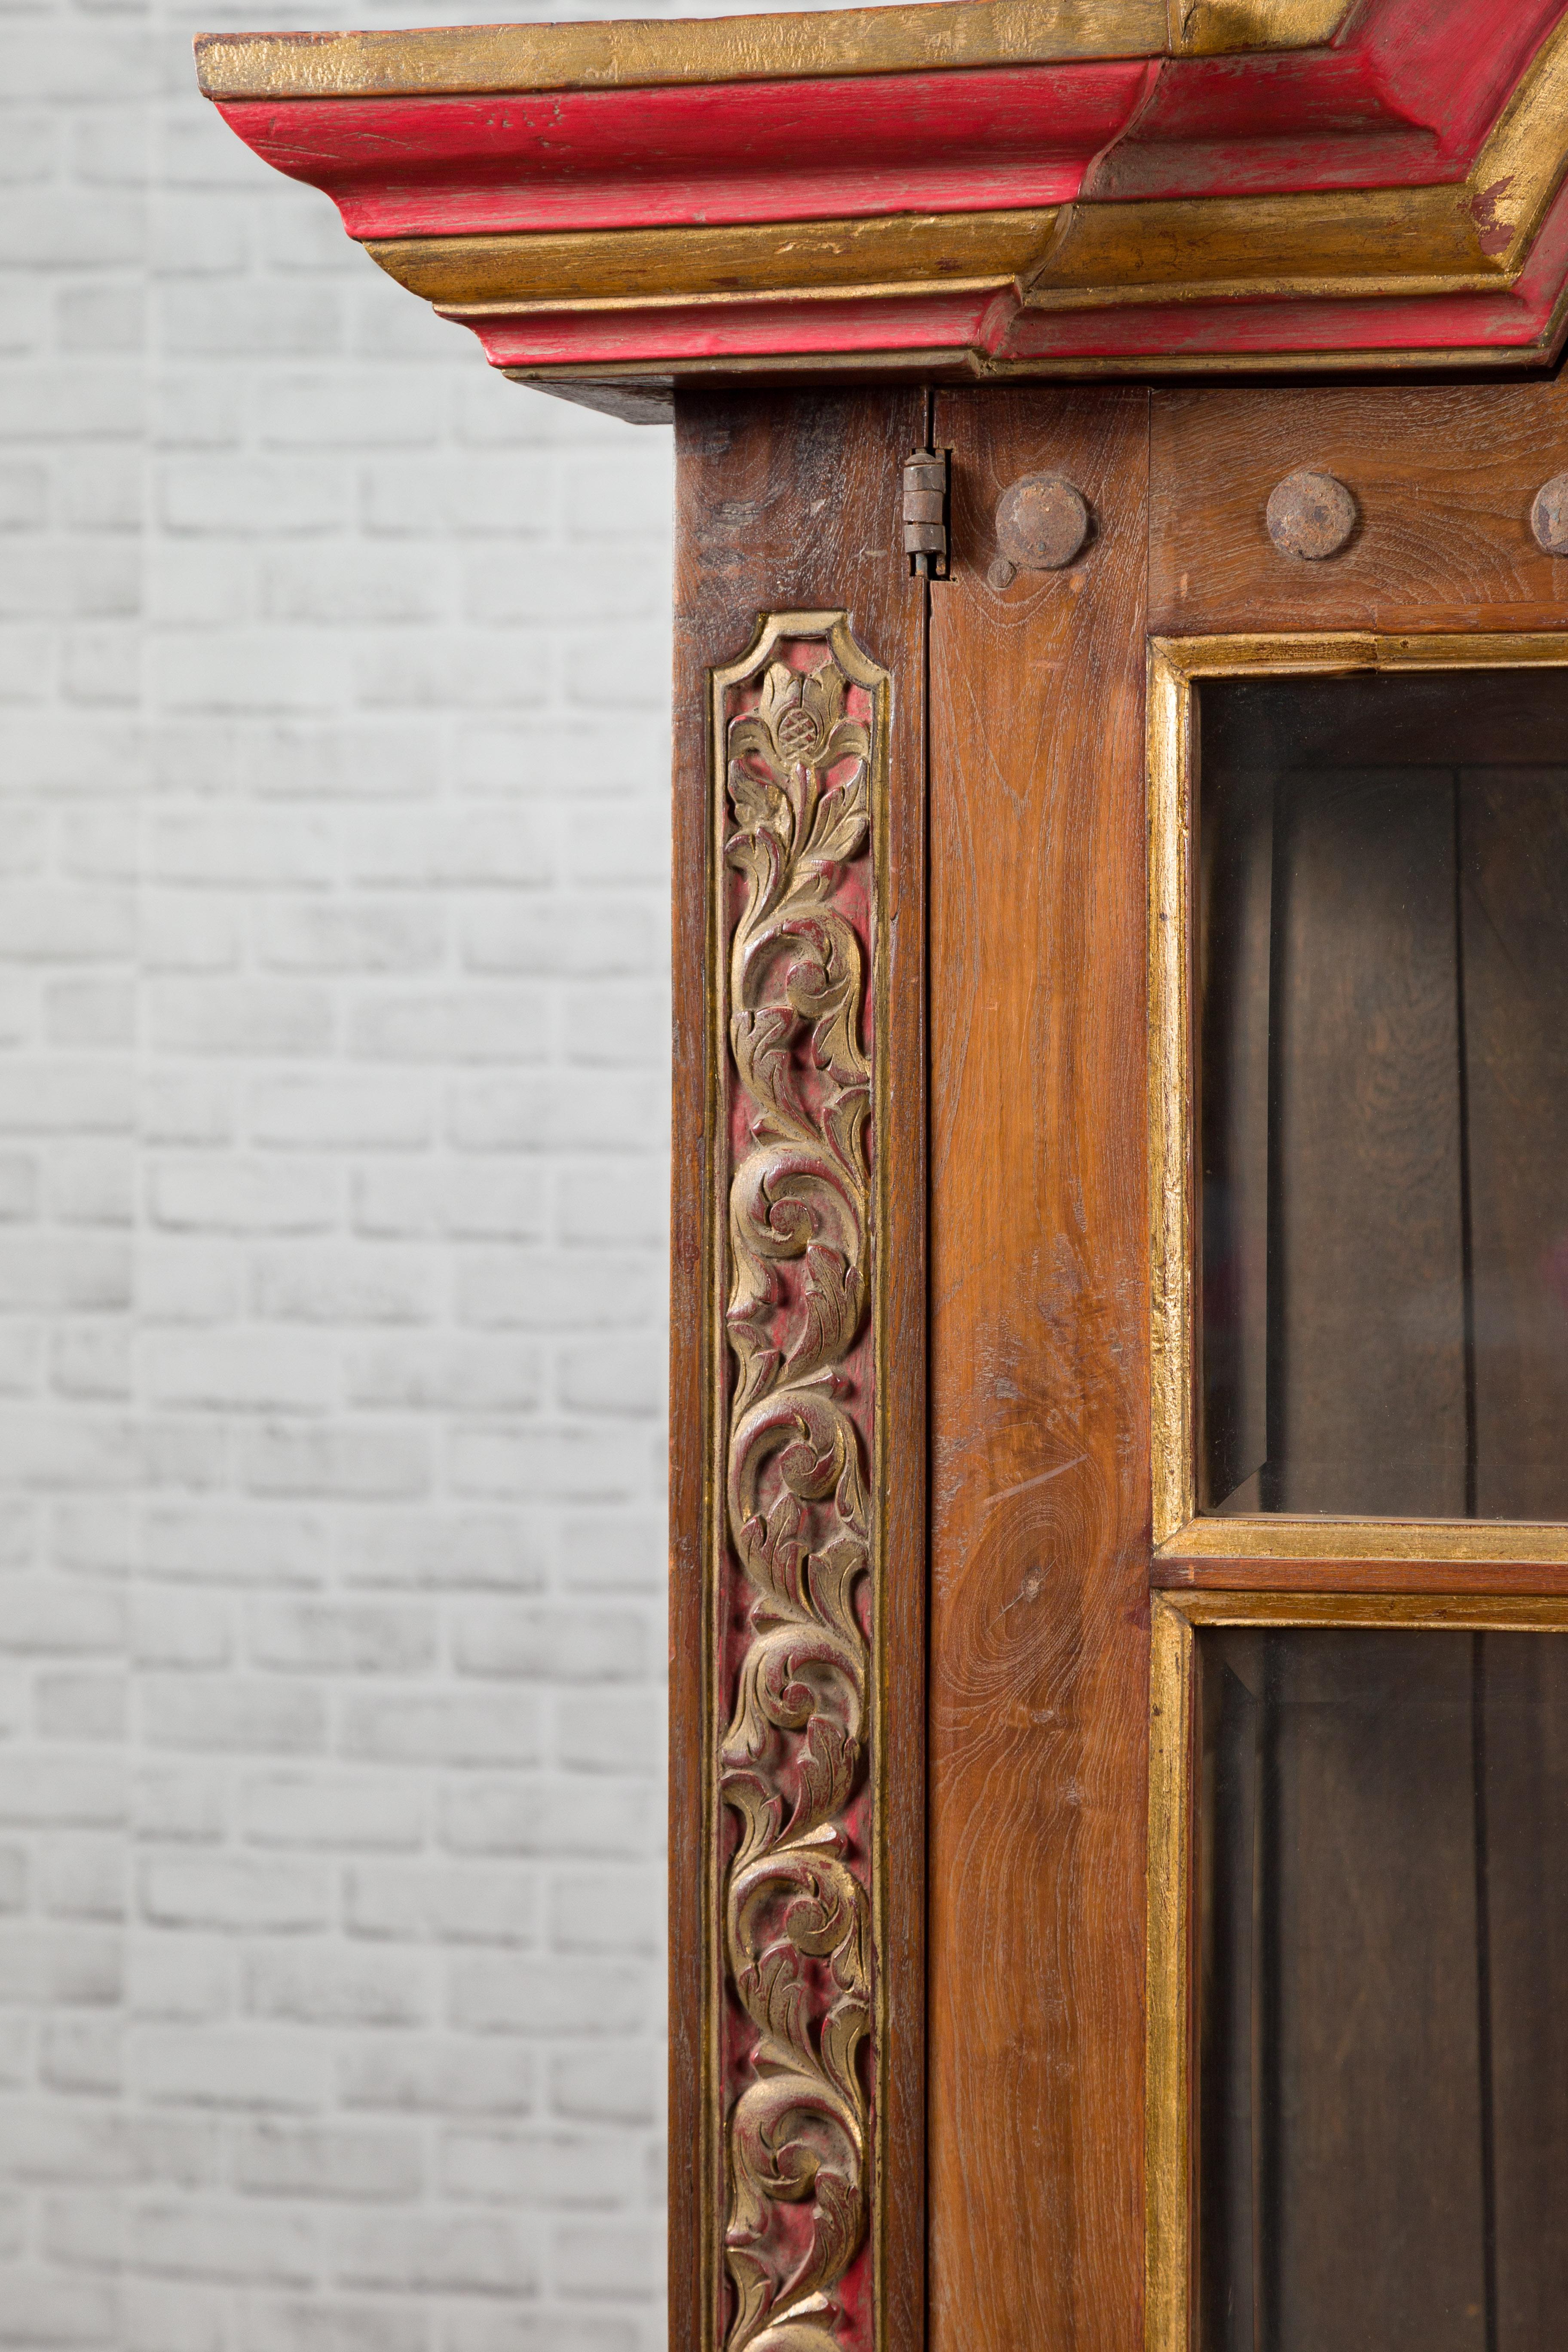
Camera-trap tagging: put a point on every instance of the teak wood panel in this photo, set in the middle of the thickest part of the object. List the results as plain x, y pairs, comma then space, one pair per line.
1040, 1502
790, 502
1443, 476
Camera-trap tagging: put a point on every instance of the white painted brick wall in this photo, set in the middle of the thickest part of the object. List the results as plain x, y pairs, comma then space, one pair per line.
332, 1103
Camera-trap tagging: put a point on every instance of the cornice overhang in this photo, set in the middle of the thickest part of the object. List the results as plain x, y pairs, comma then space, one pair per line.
974, 188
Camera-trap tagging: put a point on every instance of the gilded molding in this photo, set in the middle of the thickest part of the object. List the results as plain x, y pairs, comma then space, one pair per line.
799, 736
1167, 2139
464, 276
1174, 664
651, 54
1477, 1543
1207, 28
629, 53
1169, 706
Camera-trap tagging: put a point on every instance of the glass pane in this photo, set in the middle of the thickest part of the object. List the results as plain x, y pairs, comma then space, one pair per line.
1382, 1092
1383, 2042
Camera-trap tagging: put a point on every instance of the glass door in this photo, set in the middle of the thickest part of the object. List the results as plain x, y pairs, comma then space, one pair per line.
1358, 1894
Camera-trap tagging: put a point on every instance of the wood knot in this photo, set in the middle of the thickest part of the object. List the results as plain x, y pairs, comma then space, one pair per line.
1029, 1590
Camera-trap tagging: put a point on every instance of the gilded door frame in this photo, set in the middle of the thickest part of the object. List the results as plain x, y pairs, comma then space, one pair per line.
1176, 665
1170, 2125
1262, 1568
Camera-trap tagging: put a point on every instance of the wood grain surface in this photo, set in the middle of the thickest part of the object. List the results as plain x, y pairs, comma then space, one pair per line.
1443, 476
1040, 1504
1523, 1701
791, 502
1514, 837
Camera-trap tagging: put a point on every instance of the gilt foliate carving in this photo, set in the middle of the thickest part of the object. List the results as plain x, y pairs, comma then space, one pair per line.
799, 729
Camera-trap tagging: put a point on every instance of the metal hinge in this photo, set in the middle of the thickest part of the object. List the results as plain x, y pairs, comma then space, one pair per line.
925, 514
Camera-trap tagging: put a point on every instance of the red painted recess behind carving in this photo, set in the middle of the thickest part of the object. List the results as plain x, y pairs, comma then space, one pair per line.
657, 158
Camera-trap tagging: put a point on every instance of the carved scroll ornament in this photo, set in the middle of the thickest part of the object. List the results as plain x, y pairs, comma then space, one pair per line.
799, 731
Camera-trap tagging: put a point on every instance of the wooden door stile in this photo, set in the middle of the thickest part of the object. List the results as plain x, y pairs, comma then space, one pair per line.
1039, 1396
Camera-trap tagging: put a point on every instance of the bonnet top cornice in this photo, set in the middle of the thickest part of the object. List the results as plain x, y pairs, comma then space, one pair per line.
981, 188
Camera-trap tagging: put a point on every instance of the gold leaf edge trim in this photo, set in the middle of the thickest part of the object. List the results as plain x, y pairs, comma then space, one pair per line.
1175, 664
1167, 2187
649, 53
1169, 2106
510, 271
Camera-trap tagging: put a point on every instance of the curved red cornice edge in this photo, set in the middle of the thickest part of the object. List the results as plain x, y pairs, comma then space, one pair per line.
1038, 187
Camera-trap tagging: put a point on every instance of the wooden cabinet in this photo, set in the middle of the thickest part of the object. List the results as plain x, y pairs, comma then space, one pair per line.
1119, 1487
1153, 1124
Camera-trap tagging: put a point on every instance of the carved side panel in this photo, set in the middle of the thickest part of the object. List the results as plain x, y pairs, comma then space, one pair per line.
800, 731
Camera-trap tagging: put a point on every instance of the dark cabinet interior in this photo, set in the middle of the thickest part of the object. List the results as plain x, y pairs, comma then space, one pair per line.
1382, 1898
1383, 1094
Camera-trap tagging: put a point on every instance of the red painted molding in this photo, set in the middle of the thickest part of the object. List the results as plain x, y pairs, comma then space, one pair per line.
997, 328
656, 158
850, 323
1404, 100
1410, 168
